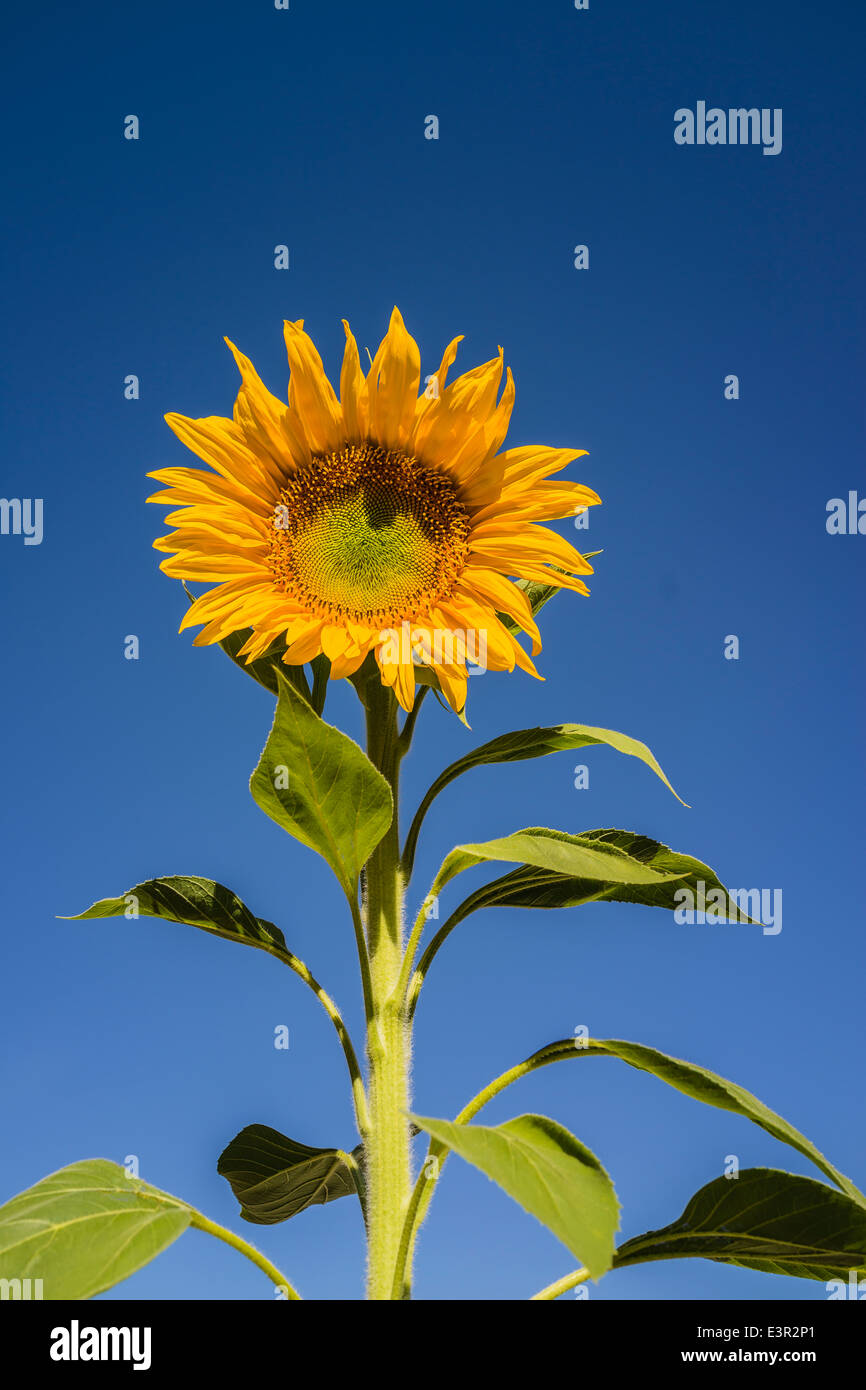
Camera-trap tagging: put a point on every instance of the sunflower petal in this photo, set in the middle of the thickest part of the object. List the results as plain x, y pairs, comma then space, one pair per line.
310, 391
392, 385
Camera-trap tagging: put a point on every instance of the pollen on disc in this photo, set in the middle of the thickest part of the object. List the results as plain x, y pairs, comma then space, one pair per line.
368, 534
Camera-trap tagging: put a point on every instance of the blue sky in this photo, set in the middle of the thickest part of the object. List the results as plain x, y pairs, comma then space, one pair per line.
261, 127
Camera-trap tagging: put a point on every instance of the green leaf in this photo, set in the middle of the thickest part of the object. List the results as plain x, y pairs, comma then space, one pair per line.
197, 902
549, 1173
557, 853
317, 784
532, 743
763, 1219
274, 1178
85, 1228
538, 887
706, 1086
522, 744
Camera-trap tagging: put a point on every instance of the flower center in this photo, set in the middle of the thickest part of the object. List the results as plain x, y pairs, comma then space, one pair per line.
368, 534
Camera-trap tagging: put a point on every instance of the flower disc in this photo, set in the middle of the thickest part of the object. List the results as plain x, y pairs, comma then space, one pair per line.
368, 534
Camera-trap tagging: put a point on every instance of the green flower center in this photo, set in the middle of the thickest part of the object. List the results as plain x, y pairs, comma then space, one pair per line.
368, 534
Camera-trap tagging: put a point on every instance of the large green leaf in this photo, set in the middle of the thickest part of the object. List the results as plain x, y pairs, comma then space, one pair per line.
85, 1228
550, 1173
532, 743
198, 902
537, 887
707, 1086
316, 783
764, 1219
555, 852
274, 1177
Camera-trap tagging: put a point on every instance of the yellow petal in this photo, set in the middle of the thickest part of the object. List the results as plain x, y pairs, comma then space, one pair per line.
432, 391
261, 417
221, 443
504, 596
457, 413
311, 393
533, 461
306, 642
392, 386
353, 390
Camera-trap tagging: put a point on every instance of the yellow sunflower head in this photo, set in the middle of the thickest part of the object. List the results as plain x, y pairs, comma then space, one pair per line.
382, 522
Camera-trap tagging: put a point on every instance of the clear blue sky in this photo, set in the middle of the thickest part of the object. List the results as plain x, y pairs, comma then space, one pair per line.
306, 127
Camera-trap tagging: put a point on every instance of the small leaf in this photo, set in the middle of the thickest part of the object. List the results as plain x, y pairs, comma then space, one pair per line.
549, 1173
763, 1219
86, 1228
274, 1178
197, 902
264, 669
553, 851
706, 1086
318, 785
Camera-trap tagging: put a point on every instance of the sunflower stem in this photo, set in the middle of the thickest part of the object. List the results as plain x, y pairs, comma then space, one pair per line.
388, 1165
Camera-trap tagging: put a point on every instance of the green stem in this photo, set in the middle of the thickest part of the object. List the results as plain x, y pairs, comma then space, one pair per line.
203, 1223
387, 1165
561, 1286
321, 668
409, 722
358, 1094
413, 984
406, 977
437, 1152
488, 895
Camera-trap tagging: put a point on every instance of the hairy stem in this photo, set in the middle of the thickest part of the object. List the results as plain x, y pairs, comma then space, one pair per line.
561, 1286
437, 1152
388, 1169
358, 1094
203, 1223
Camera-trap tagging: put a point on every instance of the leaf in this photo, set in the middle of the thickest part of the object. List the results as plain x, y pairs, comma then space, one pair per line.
335, 800
532, 743
85, 1228
197, 902
538, 887
549, 1173
274, 1178
522, 744
706, 1086
763, 1219
555, 852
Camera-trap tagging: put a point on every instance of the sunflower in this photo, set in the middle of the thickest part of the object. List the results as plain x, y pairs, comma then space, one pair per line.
386, 521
